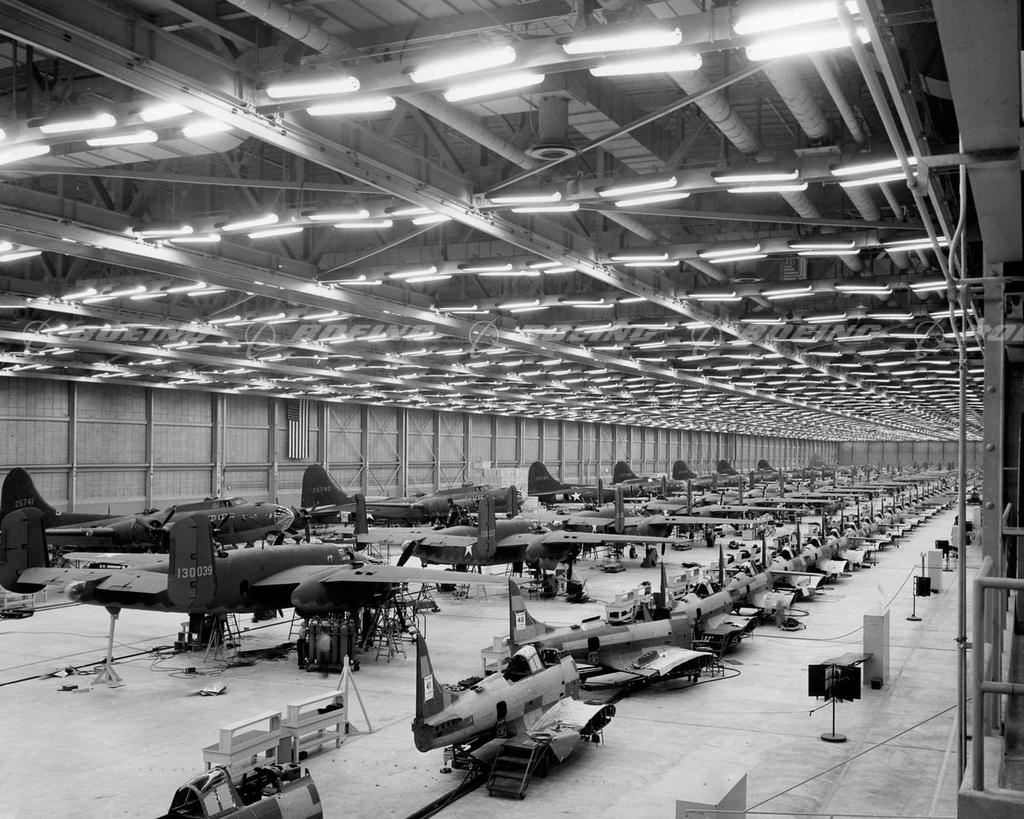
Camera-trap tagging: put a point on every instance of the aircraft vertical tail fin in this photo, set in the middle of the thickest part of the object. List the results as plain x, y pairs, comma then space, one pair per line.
19, 492
600, 491
320, 489
522, 626
681, 471
487, 540
620, 512
664, 486
513, 501
541, 482
191, 572
764, 466
362, 524
22, 546
429, 693
725, 468
621, 472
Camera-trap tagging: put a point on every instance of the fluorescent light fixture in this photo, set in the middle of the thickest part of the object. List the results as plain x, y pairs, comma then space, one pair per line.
411, 274
521, 274
636, 187
871, 167
485, 268
519, 305
17, 153
161, 232
493, 85
163, 110
729, 251
921, 243
467, 63
550, 271
407, 210
754, 176
651, 64
361, 281
312, 86
724, 296
283, 230
131, 138
746, 257
568, 207
115, 294
665, 263
68, 126
80, 294
249, 223
525, 198
821, 245
775, 320
928, 286
825, 319
891, 316
338, 215
543, 265
880, 179
865, 289
639, 257
786, 292
624, 38
828, 253
18, 255
204, 127
440, 277
653, 199
196, 239
362, 105
780, 187
802, 41
431, 219
783, 15
372, 224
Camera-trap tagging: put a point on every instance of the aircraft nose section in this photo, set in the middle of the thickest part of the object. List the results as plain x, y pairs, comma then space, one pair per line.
283, 517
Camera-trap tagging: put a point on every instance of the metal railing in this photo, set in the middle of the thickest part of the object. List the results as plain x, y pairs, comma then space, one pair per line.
982, 685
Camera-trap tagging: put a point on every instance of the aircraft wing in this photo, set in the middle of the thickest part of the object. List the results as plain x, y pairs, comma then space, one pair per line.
564, 537
831, 567
699, 520
110, 580
372, 574
566, 721
855, 556
432, 538
649, 664
805, 579
136, 560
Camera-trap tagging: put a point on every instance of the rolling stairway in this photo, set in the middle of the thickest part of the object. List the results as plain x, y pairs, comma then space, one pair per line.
515, 765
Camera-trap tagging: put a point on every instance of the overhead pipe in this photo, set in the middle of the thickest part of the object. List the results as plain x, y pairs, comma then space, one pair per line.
797, 98
721, 113
843, 106
303, 30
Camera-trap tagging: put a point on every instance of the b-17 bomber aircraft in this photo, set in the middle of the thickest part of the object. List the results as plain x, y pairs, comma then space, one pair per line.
235, 519
321, 496
496, 542
532, 702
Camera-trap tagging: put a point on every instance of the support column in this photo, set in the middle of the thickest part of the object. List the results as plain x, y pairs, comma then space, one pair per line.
323, 447
994, 446
150, 434
364, 448
435, 451
72, 445
217, 444
274, 405
402, 450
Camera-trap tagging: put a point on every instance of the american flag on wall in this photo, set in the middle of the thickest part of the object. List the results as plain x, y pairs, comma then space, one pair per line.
296, 412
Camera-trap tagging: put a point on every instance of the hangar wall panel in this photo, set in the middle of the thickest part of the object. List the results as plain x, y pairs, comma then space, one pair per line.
344, 442
108, 442
103, 402
28, 443
182, 444
530, 443
26, 398
170, 485
53, 486
121, 490
907, 453
182, 407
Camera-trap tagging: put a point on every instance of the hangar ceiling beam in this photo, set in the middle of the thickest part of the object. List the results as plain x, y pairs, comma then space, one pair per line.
103, 40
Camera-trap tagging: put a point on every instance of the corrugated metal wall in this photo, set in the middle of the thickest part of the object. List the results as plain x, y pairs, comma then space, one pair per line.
908, 453
93, 447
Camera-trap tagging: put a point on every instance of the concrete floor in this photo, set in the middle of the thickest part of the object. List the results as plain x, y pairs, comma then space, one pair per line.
122, 752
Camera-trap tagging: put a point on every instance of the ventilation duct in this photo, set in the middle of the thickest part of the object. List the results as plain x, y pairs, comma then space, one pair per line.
552, 127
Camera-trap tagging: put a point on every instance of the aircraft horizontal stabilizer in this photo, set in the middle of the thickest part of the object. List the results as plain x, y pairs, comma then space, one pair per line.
375, 574
831, 567
652, 664
57, 533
